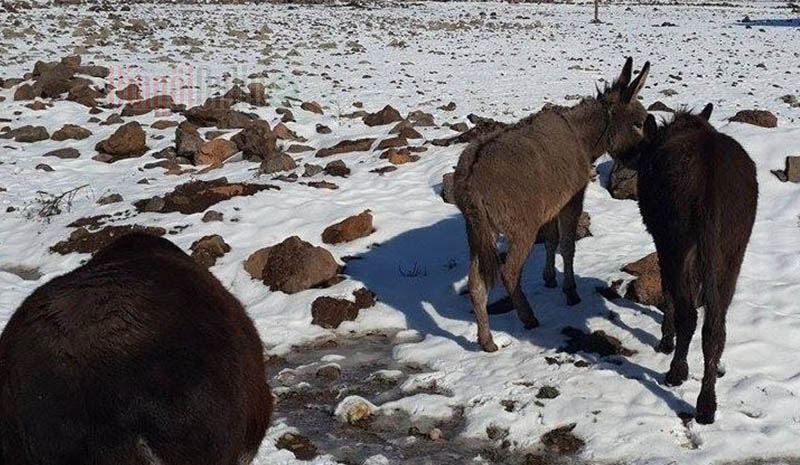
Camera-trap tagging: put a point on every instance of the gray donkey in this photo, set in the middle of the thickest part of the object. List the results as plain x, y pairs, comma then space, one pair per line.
533, 175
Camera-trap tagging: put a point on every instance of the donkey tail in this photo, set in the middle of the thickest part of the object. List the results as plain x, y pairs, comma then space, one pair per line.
482, 244
718, 276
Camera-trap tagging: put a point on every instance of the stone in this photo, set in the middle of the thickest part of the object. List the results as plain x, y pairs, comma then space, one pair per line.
128, 141
215, 152
63, 153
295, 265
313, 107
24, 92
157, 102
646, 289
386, 115
760, 118
345, 146
71, 131
447, 188
256, 141
27, 134
206, 250
337, 168
211, 216
349, 229
129, 92
109, 199
187, 139
354, 410
660, 106
330, 313
277, 163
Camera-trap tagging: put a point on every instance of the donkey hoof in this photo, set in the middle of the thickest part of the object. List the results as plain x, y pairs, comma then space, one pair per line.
676, 377
572, 298
550, 283
530, 323
489, 346
665, 346
704, 417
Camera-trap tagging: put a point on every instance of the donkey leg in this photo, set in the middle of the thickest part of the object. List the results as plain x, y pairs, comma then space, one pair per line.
518, 252
567, 229
667, 343
478, 295
550, 234
713, 345
685, 325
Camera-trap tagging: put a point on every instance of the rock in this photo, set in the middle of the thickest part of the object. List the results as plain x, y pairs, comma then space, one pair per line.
63, 153
345, 146
158, 102
449, 107
237, 94
112, 119
646, 289
26, 134
312, 170
313, 107
323, 185
83, 241
399, 157
215, 152
337, 168
299, 148
84, 94
354, 410
197, 196
24, 92
406, 130
208, 249
54, 81
71, 131
584, 223
561, 441
792, 171
300, 446
623, 181
286, 115
350, 229
322, 129
258, 93
211, 216
164, 124
420, 118
256, 141
283, 132
392, 142
187, 140
36, 106
109, 199
128, 141
217, 112
154, 204
447, 188
547, 392
329, 312
761, 118
483, 127
660, 106
459, 127
277, 163
44, 167
130, 92
385, 116
295, 265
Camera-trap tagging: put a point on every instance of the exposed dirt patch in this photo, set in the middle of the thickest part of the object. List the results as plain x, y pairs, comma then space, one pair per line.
83, 241
598, 342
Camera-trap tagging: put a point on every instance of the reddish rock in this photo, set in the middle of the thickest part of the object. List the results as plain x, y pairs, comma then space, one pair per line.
63, 153
164, 124
646, 289
392, 142
84, 94
276, 163
130, 92
256, 141
336, 168
208, 249
294, 265
385, 116
24, 92
313, 107
26, 134
761, 118
83, 241
128, 141
187, 140
71, 131
215, 151
158, 102
217, 112
345, 146
350, 229
330, 312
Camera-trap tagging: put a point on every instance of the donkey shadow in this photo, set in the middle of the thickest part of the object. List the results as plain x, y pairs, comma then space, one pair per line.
422, 273
790, 22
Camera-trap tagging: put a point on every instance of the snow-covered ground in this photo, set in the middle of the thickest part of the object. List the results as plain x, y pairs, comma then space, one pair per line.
493, 59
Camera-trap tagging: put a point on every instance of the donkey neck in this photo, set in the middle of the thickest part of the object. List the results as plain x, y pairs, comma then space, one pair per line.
590, 121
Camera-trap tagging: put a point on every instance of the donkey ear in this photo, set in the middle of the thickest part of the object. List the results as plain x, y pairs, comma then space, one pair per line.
633, 90
650, 128
627, 71
706, 113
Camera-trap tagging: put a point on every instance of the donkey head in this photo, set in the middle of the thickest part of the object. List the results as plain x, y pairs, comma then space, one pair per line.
624, 115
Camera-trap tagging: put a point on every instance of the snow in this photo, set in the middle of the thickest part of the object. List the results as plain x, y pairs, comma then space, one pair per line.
503, 68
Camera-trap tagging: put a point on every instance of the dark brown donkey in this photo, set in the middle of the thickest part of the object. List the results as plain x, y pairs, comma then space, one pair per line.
139, 357
532, 175
697, 195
